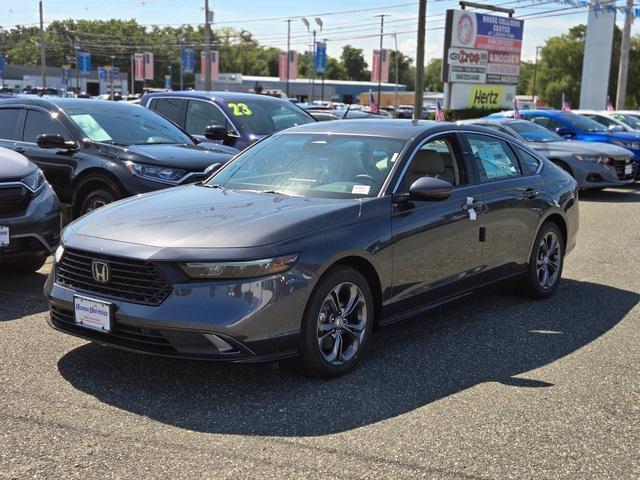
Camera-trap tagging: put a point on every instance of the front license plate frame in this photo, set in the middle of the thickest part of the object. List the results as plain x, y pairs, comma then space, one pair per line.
5, 236
628, 169
93, 314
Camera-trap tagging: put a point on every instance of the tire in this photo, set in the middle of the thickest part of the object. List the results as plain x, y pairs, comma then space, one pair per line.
323, 326
535, 284
28, 265
97, 199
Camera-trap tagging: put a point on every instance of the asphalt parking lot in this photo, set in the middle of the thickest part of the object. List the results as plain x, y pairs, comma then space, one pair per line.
495, 386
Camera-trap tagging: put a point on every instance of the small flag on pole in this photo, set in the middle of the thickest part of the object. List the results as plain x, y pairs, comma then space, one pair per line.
373, 107
516, 112
440, 113
609, 105
565, 105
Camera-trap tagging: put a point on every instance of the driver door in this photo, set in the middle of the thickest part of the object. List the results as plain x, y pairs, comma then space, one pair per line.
436, 244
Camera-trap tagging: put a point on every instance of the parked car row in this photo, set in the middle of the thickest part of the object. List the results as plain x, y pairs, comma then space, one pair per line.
264, 235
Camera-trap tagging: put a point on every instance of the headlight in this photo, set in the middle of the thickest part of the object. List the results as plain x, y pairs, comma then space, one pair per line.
248, 269
35, 181
631, 145
591, 158
58, 255
158, 174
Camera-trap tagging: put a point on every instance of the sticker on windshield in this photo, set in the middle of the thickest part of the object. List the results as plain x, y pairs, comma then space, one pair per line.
361, 189
91, 128
240, 109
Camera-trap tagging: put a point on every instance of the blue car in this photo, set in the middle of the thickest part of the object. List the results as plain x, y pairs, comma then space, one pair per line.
230, 119
576, 127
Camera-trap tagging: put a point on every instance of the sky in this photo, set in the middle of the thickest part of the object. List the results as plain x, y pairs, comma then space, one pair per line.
342, 22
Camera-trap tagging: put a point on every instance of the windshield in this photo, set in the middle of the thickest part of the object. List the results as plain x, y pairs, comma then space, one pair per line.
582, 123
125, 126
264, 116
314, 165
630, 120
532, 132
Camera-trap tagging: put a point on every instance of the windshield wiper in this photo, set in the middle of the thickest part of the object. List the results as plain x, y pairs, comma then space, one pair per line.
212, 185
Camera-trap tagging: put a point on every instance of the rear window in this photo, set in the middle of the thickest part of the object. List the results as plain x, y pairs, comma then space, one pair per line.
264, 116
169, 108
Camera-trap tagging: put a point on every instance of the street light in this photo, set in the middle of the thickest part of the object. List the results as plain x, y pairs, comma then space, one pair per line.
312, 51
535, 73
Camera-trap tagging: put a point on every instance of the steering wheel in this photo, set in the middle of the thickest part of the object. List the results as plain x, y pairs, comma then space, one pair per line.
365, 176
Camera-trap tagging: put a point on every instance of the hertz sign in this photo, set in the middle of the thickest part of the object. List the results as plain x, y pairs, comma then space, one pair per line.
481, 50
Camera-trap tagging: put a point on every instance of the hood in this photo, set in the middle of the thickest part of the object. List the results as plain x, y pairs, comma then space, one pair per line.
201, 217
14, 166
578, 147
190, 157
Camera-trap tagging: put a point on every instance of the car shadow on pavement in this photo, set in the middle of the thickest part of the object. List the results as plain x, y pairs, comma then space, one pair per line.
627, 194
21, 295
489, 337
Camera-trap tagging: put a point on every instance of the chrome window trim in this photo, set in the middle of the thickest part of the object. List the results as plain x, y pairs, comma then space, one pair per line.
22, 184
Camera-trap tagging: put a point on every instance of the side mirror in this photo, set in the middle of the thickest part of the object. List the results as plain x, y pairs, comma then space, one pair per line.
49, 140
211, 169
429, 188
216, 132
564, 132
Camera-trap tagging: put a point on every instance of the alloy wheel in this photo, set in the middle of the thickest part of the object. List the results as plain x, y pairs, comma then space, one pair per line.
341, 323
548, 260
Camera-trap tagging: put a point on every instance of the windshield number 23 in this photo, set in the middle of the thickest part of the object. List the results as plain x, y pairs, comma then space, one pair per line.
240, 109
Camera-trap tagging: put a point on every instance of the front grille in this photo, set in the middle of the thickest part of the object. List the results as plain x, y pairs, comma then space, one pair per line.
619, 165
14, 200
22, 245
131, 280
147, 340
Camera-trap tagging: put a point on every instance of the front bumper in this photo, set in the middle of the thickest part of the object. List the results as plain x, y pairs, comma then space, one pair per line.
598, 175
37, 232
258, 318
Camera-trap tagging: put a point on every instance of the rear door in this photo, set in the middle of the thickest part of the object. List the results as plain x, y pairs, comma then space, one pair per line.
57, 164
201, 114
509, 190
436, 250
171, 108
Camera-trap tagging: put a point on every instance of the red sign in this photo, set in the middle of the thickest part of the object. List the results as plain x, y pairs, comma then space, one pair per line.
139, 66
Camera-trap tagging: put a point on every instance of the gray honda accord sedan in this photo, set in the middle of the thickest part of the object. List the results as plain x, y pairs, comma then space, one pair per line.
313, 237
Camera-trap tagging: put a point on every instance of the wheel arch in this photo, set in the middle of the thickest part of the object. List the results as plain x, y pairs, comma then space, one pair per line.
92, 179
560, 222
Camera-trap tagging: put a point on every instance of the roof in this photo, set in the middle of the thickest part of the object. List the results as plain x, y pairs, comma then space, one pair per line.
225, 96
53, 102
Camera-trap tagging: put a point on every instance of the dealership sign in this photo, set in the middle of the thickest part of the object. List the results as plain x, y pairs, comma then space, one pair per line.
481, 49
466, 95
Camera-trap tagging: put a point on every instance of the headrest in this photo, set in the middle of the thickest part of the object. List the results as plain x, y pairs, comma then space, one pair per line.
427, 162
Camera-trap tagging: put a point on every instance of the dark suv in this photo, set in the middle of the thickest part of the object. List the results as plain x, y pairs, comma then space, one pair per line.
29, 215
240, 118
94, 152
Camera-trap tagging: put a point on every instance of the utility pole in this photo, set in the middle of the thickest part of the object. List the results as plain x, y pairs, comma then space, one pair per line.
132, 90
43, 60
422, 19
396, 62
207, 46
113, 94
621, 93
535, 74
380, 58
288, 55
313, 67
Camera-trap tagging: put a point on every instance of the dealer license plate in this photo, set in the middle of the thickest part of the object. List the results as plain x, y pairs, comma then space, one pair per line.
93, 314
628, 169
4, 236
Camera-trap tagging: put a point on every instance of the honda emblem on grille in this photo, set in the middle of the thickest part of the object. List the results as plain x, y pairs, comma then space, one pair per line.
100, 271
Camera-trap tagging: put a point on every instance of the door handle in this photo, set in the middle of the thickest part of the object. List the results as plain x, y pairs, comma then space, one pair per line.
530, 193
471, 204
20, 150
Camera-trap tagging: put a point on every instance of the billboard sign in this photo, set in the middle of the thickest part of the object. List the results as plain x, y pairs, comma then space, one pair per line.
188, 59
293, 65
482, 48
148, 65
321, 57
466, 95
215, 65
138, 64
376, 67
83, 63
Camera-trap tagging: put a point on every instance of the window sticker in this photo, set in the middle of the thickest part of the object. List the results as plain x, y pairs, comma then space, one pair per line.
361, 189
240, 109
91, 128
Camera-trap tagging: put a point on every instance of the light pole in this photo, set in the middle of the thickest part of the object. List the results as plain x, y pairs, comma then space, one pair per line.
113, 96
535, 74
419, 93
312, 53
208, 17
396, 62
288, 56
380, 59
43, 59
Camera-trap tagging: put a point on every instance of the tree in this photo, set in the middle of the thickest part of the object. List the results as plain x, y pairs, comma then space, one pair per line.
433, 76
525, 83
354, 63
406, 70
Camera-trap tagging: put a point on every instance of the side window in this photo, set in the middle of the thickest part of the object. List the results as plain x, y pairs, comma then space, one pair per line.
439, 158
494, 157
528, 162
202, 114
497, 128
607, 122
38, 122
548, 123
9, 123
168, 108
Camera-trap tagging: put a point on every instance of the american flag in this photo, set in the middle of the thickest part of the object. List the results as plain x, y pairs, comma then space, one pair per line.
373, 107
609, 105
516, 112
440, 113
565, 105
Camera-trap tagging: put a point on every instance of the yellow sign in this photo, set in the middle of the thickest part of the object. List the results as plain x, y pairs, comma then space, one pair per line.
240, 109
487, 96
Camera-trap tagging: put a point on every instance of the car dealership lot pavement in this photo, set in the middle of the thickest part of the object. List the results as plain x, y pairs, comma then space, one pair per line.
494, 386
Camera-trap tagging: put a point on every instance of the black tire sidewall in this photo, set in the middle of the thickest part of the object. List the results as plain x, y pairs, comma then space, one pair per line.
310, 354
532, 285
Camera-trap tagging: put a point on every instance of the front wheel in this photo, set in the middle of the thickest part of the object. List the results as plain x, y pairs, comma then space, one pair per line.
337, 323
96, 199
546, 262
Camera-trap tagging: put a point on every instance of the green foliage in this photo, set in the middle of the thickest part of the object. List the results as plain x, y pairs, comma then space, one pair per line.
354, 63
432, 76
406, 70
525, 85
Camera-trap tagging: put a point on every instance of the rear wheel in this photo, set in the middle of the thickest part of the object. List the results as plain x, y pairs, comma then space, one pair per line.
96, 199
545, 263
337, 323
